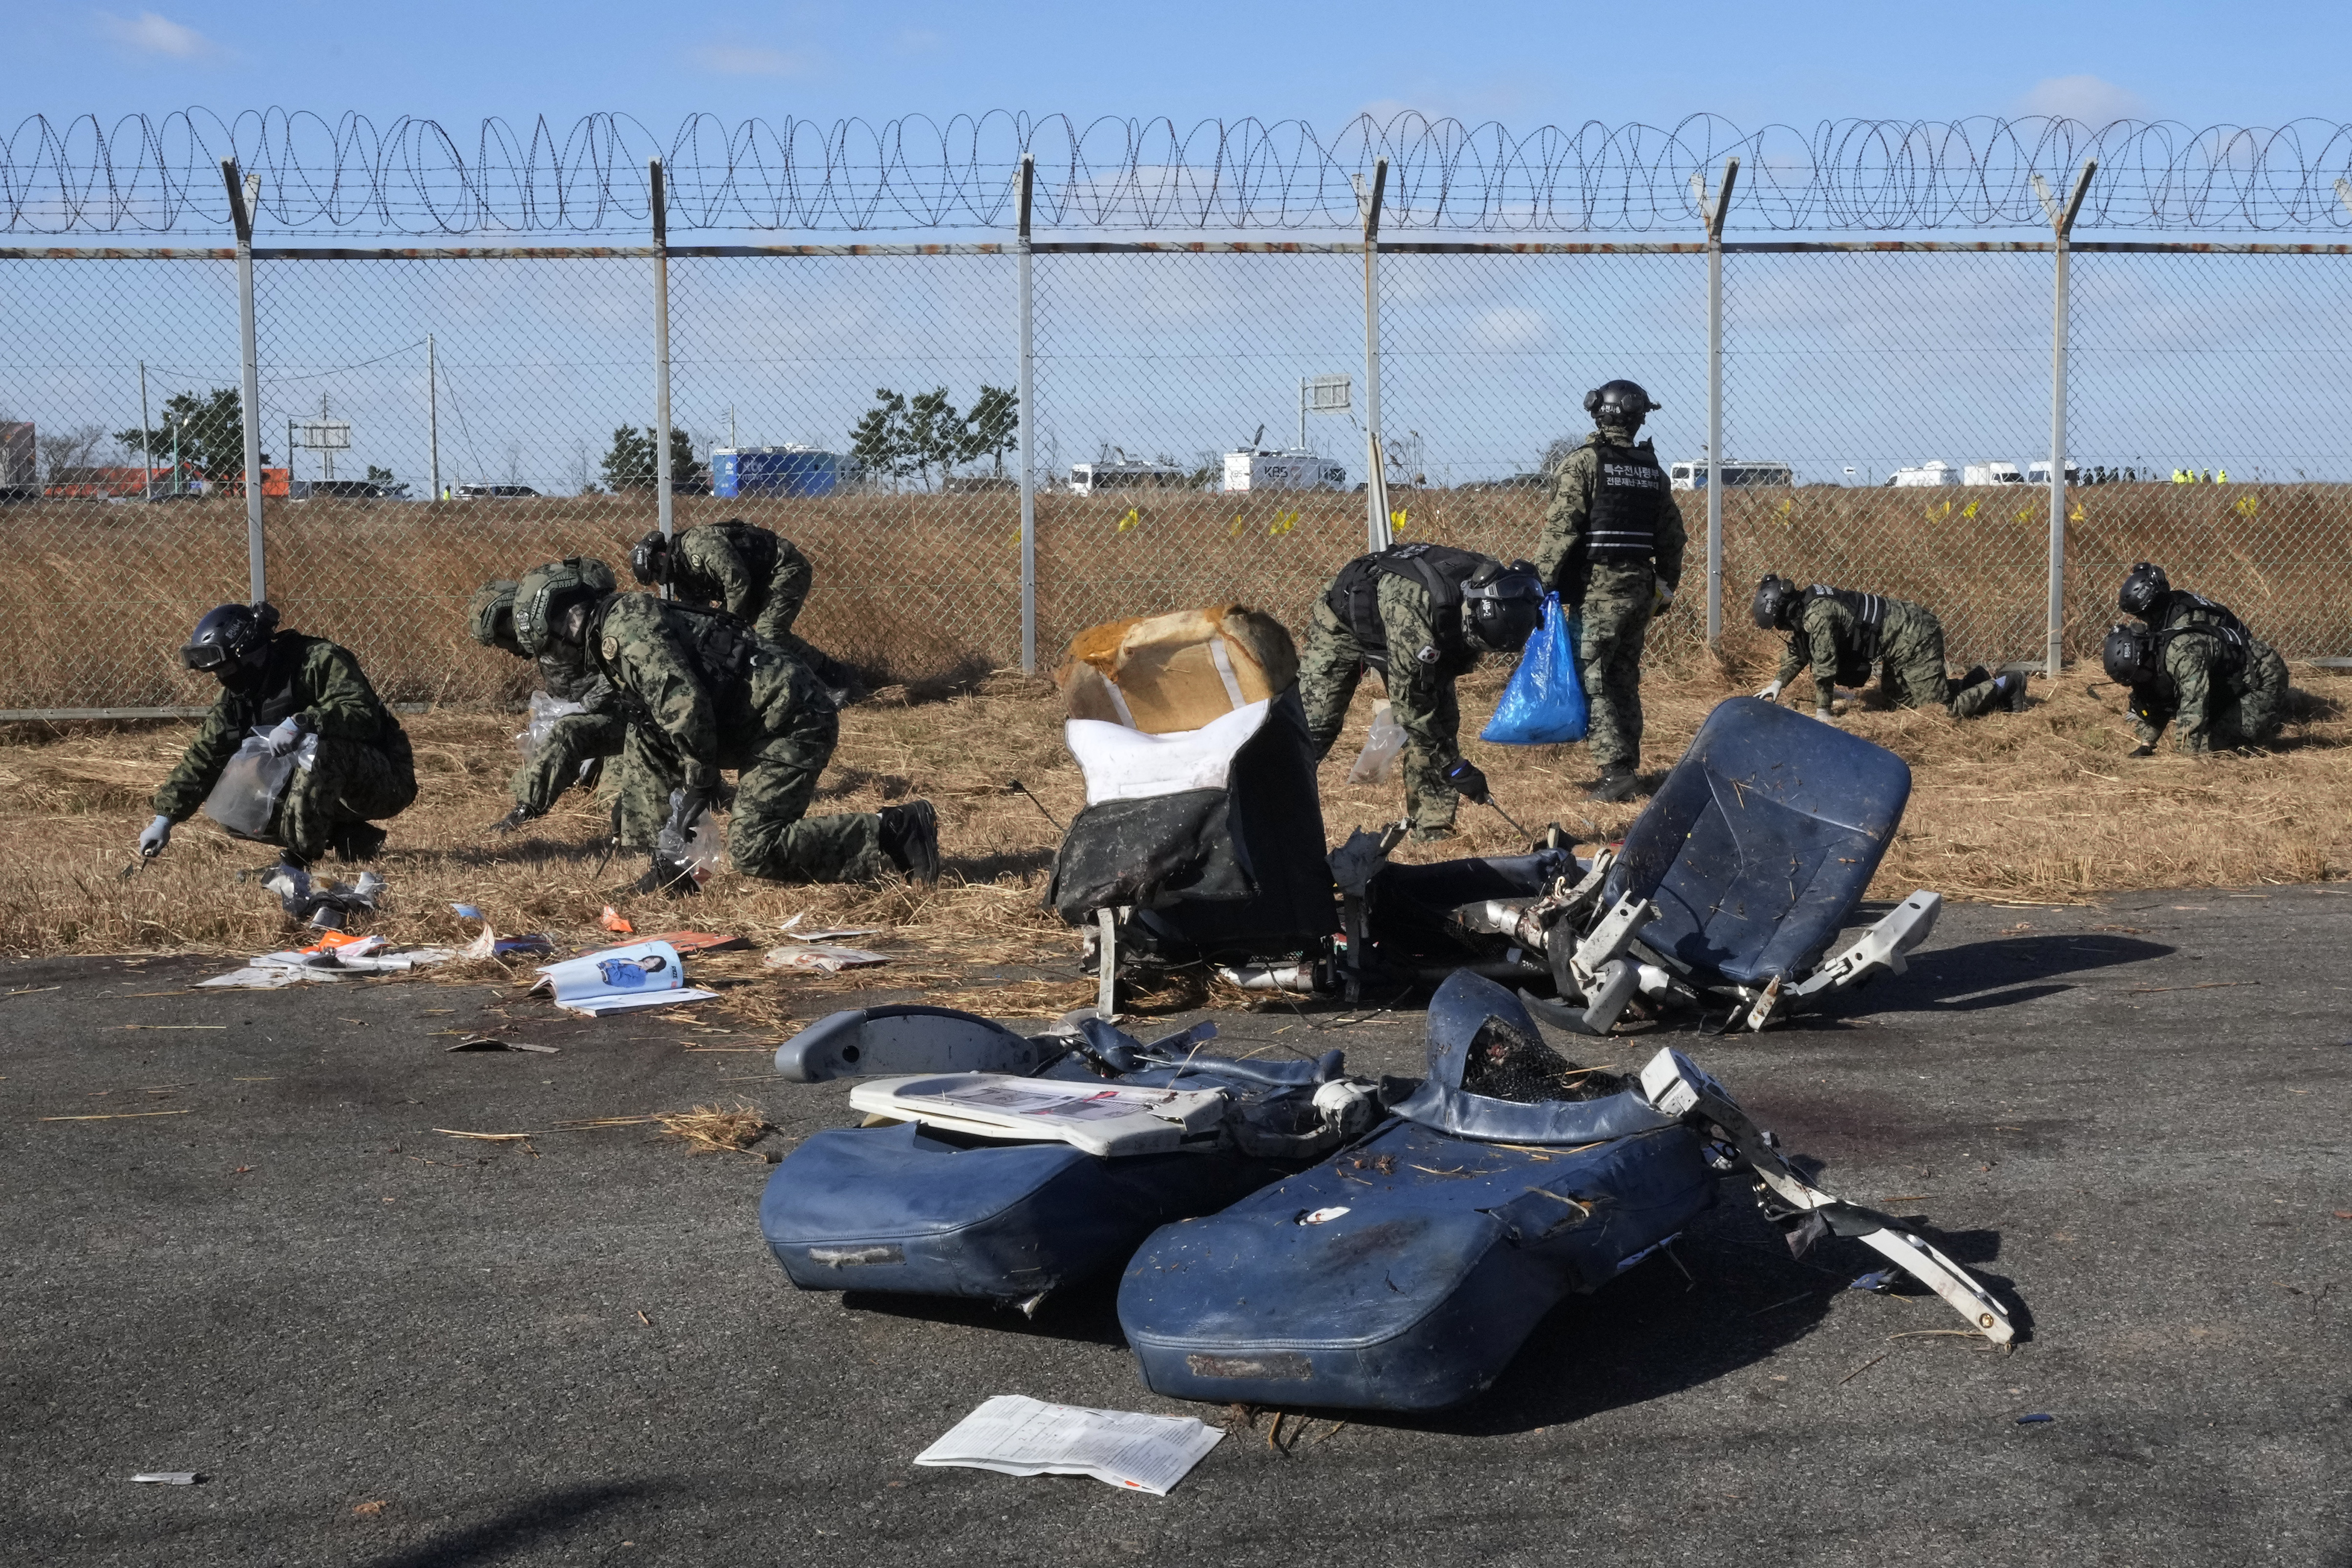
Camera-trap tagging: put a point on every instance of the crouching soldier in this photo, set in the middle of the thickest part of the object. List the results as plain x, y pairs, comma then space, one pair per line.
1420, 614
2193, 664
1843, 634
578, 748
293, 688
701, 686
755, 573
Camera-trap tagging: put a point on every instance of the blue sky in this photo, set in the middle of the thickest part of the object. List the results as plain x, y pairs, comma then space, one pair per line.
1526, 65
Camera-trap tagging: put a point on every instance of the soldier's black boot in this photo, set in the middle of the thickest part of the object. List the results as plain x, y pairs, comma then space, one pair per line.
1975, 673
910, 837
1613, 784
355, 841
2012, 690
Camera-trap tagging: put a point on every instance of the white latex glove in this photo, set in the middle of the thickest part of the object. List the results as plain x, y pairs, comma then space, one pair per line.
1825, 715
287, 735
152, 842
1770, 693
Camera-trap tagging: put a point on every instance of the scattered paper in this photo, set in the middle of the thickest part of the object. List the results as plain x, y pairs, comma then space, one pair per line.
468, 913
1016, 1436
647, 975
167, 1478
815, 955
613, 919
790, 928
327, 961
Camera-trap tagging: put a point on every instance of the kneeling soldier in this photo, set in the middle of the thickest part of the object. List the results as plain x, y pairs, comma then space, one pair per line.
2193, 664
1842, 634
701, 687
1420, 614
294, 686
576, 746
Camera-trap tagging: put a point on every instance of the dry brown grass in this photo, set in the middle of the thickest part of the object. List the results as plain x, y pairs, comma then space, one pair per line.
926, 588
2038, 807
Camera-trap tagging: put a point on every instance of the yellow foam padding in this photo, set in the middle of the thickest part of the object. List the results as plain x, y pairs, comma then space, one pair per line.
1158, 674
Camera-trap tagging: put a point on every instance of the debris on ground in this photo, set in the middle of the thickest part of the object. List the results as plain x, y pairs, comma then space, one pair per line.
690, 942
334, 958
822, 957
619, 979
168, 1477
710, 1128
1016, 1436
831, 933
614, 920
325, 905
492, 1042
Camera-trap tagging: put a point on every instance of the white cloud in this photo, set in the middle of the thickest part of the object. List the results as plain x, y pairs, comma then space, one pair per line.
148, 34
741, 59
2092, 100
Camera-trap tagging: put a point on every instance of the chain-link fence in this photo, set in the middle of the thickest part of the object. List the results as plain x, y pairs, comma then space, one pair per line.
1196, 427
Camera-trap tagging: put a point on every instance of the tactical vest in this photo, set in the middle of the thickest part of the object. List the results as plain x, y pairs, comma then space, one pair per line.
273, 698
1628, 488
1868, 610
1441, 569
719, 648
2194, 614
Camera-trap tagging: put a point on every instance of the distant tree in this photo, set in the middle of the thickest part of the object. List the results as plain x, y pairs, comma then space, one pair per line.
995, 424
935, 433
879, 439
630, 465
211, 432
61, 452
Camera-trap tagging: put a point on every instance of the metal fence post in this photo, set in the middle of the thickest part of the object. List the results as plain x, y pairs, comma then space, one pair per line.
1026, 395
2061, 224
661, 353
146, 447
1376, 481
1713, 212
243, 196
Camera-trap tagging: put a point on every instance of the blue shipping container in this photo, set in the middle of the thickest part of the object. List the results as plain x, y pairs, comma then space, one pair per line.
774, 471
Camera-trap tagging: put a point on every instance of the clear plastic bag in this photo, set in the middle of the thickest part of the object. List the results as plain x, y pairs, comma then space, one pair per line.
544, 711
247, 794
1378, 760
705, 849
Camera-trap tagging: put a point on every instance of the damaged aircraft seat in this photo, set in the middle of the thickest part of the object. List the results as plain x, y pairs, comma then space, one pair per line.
1761, 842
1404, 1272
1009, 1165
1202, 829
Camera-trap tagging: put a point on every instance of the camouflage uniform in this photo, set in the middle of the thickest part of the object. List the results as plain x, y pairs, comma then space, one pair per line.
700, 688
1842, 635
362, 773
634, 790
1607, 576
1420, 660
2218, 693
756, 576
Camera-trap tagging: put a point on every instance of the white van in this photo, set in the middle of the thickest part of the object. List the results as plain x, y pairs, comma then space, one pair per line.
1093, 478
1992, 473
1928, 474
1293, 470
1693, 476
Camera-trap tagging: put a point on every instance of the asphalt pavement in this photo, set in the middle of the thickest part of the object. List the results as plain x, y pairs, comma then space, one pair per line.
379, 1345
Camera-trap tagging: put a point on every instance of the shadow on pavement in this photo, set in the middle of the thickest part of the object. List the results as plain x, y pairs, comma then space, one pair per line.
1084, 1313
517, 1527
1997, 973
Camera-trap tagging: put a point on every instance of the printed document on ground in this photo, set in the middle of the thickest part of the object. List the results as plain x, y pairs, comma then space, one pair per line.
1017, 1436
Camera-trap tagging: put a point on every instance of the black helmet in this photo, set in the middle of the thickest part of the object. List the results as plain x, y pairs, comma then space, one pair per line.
2144, 590
1619, 402
649, 562
547, 591
229, 638
2129, 655
491, 619
1775, 596
1502, 605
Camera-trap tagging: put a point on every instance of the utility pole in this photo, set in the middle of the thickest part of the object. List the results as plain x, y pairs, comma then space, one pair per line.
146, 456
433, 416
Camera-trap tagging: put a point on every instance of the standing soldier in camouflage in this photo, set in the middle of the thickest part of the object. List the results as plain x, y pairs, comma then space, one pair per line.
707, 691
1613, 550
755, 573
577, 748
2193, 664
296, 688
1842, 634
1420, 614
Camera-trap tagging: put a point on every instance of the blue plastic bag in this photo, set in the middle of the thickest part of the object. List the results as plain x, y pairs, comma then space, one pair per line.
1544, 704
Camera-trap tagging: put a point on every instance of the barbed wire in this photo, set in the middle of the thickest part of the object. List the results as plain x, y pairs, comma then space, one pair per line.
415, 176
